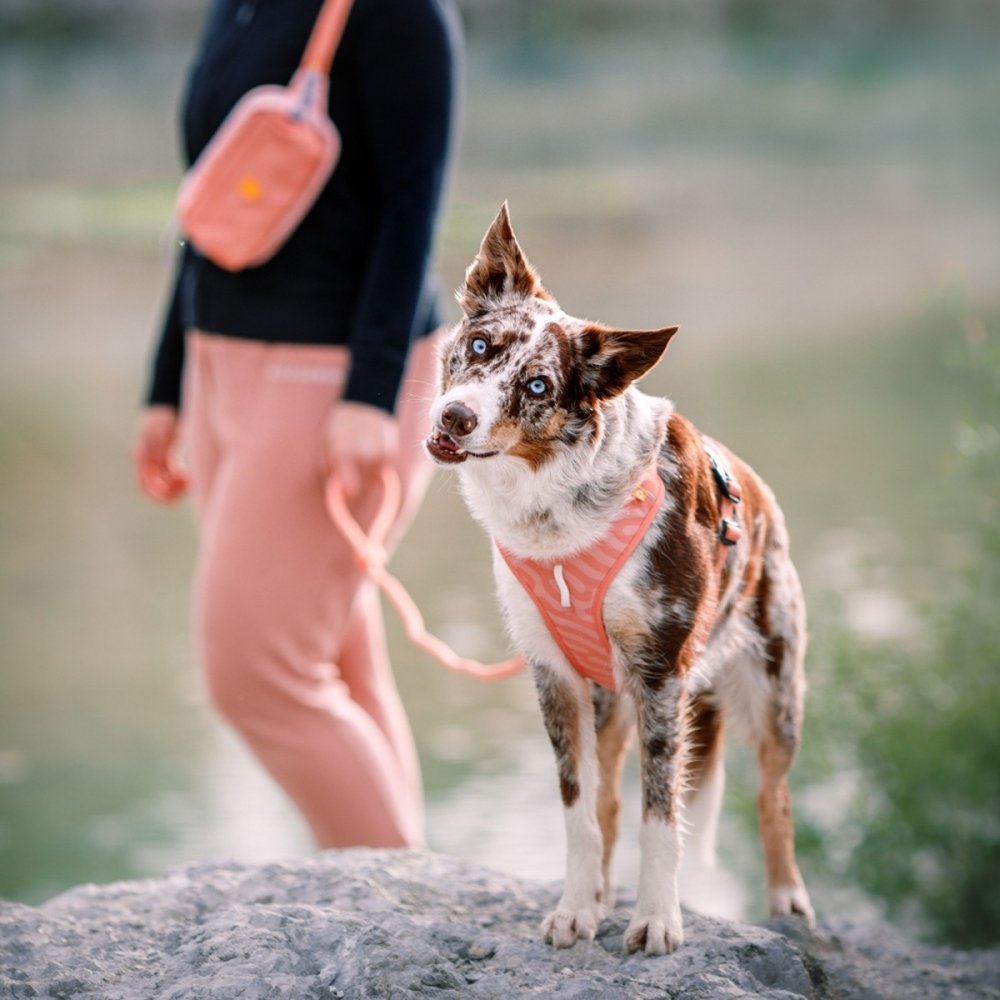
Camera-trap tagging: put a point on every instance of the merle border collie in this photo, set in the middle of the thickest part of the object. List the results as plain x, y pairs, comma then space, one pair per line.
703, 621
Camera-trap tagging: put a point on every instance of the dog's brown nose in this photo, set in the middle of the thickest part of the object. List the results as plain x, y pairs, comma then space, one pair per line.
458, 420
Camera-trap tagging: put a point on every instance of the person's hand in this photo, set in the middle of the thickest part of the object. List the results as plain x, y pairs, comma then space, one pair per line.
154, 454
359, 439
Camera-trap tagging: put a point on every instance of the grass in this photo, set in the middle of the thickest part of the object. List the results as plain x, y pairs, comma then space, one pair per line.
898, 774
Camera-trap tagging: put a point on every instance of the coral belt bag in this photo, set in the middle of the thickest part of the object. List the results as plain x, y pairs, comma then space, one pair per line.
264, 168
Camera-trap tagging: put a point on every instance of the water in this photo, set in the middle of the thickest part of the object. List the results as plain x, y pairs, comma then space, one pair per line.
820, 233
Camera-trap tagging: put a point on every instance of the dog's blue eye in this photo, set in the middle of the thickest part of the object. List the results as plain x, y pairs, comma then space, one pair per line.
538, 387
478, 346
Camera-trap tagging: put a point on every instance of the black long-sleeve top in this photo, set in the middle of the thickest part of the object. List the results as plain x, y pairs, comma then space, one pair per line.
355, 272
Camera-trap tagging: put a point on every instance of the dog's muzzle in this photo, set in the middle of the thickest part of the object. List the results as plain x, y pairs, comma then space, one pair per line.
455, 422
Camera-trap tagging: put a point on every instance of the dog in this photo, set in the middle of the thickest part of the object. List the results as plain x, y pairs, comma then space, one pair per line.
703, 622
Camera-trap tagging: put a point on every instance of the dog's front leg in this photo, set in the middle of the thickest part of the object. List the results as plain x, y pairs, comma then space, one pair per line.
569, 720
656, 927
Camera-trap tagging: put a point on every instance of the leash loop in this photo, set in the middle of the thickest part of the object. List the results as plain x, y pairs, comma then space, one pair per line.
370, 554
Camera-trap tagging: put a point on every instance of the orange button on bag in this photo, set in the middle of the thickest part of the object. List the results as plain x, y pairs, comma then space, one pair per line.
250, 189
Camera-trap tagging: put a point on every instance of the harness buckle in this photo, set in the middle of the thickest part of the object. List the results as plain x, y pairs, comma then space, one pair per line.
727, 482
730, 532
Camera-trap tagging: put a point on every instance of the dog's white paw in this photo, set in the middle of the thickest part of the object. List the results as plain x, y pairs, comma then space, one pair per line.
656, 934
562, 928
787, 899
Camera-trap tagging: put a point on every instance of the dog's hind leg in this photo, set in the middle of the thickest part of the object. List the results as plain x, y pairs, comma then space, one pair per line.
661, 712
706, 781
777, 740
786, 892
613, 723
569, 720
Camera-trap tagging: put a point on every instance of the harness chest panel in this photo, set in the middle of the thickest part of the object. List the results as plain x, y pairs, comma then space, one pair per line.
569, 593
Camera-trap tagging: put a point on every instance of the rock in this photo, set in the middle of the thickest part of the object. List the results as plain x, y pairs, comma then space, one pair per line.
387, 924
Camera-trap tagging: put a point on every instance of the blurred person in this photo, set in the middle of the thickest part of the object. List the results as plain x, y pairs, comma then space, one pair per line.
317, 363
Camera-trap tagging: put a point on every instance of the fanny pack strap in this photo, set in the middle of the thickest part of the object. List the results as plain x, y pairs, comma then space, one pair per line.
325, 36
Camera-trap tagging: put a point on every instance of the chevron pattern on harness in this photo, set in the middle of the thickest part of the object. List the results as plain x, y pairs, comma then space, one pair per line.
569, 593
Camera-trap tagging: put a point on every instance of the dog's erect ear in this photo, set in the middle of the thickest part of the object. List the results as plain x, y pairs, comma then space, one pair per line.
614, 359
500, 269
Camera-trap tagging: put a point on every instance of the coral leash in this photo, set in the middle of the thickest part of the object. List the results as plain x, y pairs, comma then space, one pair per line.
370, 554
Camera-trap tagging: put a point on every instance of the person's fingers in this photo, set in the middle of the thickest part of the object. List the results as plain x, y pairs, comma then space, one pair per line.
153, 483
159, 481
155, 464
349, 474
145, 457
175, 486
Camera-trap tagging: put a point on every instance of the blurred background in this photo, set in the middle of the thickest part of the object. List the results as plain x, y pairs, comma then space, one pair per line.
812, 191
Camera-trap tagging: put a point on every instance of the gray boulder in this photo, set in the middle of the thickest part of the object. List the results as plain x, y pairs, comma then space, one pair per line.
407, 924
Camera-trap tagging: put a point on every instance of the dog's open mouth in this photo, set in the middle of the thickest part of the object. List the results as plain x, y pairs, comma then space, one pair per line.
444, 448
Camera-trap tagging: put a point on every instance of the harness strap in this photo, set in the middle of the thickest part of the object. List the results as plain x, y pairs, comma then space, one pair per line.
569, 593
730, 494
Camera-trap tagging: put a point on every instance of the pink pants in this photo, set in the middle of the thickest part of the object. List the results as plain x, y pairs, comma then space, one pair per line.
289, 635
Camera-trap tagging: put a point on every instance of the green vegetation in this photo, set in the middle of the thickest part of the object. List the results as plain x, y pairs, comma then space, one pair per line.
904, 736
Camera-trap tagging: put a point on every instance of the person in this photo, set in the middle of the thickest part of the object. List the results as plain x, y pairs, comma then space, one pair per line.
318, 363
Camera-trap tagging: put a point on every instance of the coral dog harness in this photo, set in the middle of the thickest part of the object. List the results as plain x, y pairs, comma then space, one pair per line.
569, 593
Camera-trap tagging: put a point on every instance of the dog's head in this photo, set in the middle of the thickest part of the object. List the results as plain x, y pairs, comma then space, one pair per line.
520, 377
